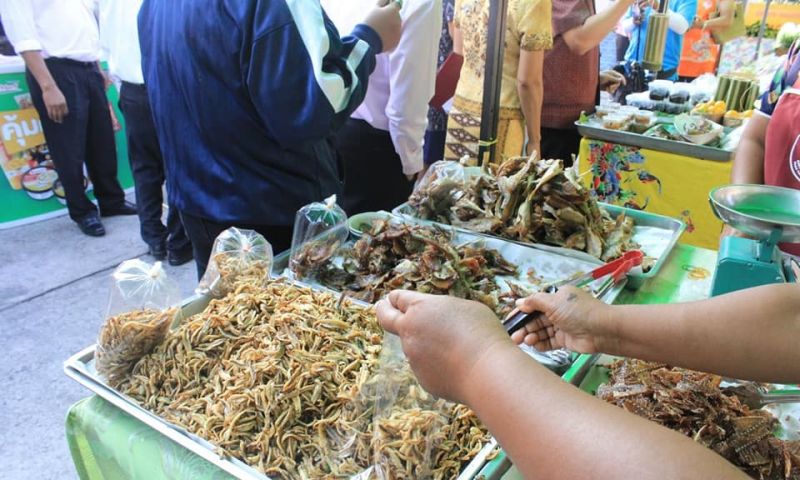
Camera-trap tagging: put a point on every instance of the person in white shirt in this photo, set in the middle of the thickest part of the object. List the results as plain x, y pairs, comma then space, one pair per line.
58, 39
119, 39
381, 144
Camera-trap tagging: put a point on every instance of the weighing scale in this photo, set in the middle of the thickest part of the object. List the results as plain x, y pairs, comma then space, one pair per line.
769, 215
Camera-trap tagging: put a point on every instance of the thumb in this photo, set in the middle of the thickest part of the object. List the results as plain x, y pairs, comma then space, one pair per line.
388, 316
403, 299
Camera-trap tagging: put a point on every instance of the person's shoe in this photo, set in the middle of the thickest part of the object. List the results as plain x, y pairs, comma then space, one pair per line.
127, 208
159, 252
176, 259
91, 225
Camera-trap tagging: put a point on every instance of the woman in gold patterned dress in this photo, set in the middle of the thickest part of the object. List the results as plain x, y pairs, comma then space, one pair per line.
528, 35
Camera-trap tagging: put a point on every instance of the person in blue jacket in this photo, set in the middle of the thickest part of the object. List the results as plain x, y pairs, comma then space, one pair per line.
245, 95
681, 14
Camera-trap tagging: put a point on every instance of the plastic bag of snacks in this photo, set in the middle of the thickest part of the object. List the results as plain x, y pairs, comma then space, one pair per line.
238, 256
141, 309
439, 189
319, 229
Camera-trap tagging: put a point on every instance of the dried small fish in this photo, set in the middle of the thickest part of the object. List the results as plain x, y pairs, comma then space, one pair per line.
528, 200
280, 376
126, 338
693, 404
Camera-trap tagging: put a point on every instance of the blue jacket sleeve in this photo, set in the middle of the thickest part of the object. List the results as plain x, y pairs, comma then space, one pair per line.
304, 79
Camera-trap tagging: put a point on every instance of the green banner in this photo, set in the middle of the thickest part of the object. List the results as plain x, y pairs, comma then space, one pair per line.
29, 189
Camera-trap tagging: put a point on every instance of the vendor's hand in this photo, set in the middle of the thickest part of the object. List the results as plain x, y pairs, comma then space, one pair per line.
385, 20
444, 338
532, 147
570, 318
611, 80
55, 103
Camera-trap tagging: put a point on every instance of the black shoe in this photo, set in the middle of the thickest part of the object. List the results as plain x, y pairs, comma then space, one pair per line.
91, 225
159, 252
176, 259
127, 208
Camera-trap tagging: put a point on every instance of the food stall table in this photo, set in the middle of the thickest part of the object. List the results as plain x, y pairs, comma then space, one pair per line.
656, 181
107, 443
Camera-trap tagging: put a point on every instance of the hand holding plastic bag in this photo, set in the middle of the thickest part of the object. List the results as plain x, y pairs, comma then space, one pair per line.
237, 257
443, 184
319, 229
141, 310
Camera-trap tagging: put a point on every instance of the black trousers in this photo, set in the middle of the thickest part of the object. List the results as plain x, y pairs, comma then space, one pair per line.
560, 143
147, 166
373, 172
203, 232
85, 135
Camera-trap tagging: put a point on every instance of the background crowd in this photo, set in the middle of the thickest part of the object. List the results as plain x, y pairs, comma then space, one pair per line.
244, 132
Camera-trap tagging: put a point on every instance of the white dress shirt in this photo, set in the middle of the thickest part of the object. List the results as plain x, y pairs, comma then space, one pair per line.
404, 79
119, 38
59, 28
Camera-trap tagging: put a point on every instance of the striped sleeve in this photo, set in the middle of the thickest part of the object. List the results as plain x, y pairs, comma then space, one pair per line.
304, 79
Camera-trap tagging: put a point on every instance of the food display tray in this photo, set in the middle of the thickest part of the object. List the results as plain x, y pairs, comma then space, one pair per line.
657, 235
548, 264
80, 367
654, 143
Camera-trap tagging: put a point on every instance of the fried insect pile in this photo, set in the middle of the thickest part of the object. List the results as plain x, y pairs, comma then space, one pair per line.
693, 404
127, 337
527, 200
413, 257
279, 376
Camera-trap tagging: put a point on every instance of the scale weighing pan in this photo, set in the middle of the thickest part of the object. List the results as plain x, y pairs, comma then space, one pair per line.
759, 210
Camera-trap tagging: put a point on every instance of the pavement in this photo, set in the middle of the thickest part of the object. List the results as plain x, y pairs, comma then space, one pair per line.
53, 299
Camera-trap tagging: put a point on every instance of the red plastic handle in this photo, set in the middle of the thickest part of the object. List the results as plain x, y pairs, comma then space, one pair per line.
634, 257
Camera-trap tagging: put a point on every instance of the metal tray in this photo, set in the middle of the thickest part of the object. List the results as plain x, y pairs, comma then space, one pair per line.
549, 264
657, 234
654, 143
80, 367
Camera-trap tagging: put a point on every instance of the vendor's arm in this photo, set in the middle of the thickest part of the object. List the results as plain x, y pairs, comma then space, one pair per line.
681, 18
725, 19
582, 37
413, 80
748, 161
738, 335
549, 428
534, 22
305, 81
20, 28
530, 87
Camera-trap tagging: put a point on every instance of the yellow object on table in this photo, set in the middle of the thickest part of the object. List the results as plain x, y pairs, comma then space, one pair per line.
658, 182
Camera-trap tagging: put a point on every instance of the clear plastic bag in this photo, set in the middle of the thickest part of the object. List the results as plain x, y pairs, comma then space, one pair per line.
141, 309
319, 229
238, 256
408, 423
439, 189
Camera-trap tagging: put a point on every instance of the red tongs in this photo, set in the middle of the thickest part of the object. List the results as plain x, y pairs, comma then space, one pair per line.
615, 271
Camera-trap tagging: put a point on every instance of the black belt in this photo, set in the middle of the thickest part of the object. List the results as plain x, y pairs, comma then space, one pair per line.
134, 86
70, 62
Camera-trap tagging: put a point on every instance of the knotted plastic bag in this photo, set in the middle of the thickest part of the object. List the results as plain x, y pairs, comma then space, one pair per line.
320, 228
238, 257
141, 308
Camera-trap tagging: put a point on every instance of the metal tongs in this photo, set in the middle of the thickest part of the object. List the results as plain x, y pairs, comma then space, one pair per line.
615, 271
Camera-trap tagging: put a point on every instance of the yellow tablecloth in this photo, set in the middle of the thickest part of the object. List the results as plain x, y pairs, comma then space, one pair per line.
658, 182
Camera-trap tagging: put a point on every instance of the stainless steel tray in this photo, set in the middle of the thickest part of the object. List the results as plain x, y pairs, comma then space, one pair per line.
657, 234
80, 367
549, 263
654, 143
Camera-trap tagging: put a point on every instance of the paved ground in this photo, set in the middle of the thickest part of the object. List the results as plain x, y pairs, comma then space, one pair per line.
53, 297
